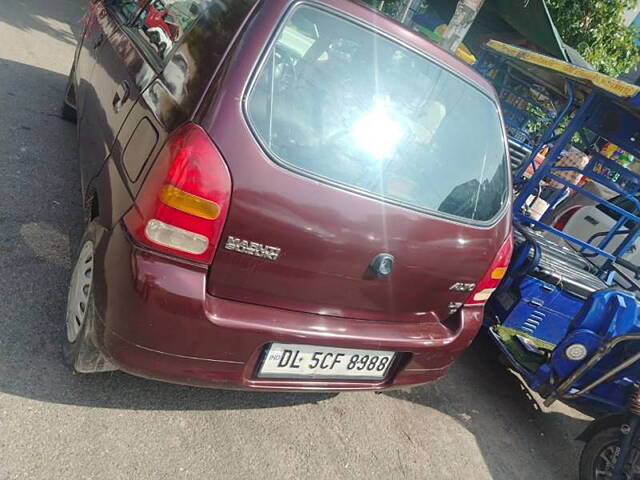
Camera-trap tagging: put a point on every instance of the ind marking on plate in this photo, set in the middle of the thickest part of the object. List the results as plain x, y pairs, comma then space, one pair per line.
252, 248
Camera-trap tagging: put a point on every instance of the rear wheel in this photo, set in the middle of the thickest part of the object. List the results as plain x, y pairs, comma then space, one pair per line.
69, 111
79, 351
600, 455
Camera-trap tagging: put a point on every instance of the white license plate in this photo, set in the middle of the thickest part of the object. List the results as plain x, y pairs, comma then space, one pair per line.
295, 361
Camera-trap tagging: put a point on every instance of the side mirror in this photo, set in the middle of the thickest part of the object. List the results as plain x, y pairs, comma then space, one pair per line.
194, 9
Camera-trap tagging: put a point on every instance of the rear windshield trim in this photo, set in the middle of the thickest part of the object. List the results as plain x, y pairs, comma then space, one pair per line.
257, 69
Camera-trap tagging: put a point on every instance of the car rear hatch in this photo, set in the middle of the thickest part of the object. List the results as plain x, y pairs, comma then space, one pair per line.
351, 146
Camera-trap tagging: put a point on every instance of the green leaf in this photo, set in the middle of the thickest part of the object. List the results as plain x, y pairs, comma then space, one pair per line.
596, 30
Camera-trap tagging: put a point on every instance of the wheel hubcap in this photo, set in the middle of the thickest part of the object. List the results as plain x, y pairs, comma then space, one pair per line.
79, 292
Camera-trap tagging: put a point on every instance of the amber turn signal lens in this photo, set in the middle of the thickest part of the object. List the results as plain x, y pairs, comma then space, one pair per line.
188, 203
498, 273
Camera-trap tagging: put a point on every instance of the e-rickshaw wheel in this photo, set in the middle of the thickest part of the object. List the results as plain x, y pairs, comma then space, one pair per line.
600, 454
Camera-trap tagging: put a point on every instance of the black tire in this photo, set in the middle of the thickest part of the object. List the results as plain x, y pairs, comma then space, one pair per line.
601, 446
69, 111
72, 352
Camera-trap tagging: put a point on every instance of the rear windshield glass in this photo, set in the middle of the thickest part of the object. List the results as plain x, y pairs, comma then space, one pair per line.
338, 101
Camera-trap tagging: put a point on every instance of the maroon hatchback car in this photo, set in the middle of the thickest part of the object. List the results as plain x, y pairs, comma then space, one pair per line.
280, 194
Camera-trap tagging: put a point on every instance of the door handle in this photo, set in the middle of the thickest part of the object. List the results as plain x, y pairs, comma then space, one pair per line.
591, 220
121, 96
99, 41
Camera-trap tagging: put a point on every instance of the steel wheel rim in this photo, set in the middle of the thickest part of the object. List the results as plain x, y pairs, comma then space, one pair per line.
79, 292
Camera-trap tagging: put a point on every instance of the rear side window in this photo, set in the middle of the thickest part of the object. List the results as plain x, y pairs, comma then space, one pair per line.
337, 101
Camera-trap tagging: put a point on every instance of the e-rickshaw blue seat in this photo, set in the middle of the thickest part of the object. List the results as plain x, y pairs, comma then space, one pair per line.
547, 292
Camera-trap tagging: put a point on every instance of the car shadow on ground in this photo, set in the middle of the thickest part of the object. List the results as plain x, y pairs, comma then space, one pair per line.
510, 427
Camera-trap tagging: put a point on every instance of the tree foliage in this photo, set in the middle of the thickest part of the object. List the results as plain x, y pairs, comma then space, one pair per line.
595, 28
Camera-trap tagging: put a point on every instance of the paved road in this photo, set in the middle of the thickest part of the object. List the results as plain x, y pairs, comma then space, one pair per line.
477, 423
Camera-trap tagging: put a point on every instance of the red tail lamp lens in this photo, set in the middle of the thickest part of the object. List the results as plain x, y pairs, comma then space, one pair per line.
183, 204
493, 276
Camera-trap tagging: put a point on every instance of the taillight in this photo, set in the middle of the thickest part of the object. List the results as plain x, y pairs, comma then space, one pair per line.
183, 203
561, 220
493, 276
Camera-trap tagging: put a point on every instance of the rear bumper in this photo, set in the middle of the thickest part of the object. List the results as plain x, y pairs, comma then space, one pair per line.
157, 321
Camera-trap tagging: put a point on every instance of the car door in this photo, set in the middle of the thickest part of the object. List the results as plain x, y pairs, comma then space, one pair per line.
85, 60
122, 71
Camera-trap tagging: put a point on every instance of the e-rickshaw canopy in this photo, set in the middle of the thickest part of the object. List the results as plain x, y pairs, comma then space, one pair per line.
555, 72
602, 105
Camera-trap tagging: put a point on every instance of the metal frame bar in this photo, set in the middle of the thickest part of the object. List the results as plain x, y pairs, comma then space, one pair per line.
611, 233
592, 196
547, 169
549, 133
510, 91
488, 61
599, 159
615, 231
554, 153
627, 216
580, 371
524, 219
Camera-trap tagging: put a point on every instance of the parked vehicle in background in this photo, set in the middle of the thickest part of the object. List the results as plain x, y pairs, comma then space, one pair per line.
591, 223
160, 26
289, 195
